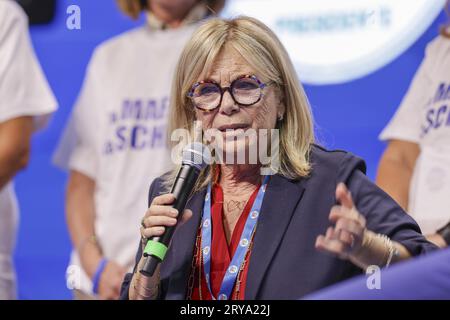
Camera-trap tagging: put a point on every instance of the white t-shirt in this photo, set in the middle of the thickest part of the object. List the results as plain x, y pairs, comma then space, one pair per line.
24, 91
424, 118
117, 133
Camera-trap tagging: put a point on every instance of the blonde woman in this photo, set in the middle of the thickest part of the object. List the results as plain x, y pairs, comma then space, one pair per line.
114, 144
415, 167
315, 222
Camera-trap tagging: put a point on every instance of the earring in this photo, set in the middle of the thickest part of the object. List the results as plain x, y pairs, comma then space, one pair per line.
280, 117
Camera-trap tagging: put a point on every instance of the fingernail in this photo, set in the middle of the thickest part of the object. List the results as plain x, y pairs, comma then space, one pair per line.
174, 212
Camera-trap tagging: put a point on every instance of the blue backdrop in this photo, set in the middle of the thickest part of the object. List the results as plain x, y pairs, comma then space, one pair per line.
348, 116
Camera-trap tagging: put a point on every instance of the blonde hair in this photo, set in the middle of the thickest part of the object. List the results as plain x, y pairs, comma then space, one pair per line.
264, 52
133, 8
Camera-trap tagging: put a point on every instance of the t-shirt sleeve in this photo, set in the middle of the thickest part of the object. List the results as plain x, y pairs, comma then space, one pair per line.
78, 147
24, 90
406, 122
383, 215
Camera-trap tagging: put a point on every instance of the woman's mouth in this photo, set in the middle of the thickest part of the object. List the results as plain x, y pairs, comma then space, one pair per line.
233, 127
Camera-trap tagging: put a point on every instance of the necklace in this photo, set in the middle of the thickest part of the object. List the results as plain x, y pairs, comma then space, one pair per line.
197, 263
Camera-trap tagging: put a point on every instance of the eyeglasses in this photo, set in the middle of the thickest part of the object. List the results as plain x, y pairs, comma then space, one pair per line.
246, 90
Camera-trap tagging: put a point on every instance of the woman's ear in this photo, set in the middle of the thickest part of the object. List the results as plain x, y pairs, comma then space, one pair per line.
281, 108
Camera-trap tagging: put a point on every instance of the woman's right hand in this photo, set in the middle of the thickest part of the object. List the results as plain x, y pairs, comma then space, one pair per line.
158, 217
161, 215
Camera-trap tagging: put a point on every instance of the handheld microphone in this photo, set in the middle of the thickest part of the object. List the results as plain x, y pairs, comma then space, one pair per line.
195, 158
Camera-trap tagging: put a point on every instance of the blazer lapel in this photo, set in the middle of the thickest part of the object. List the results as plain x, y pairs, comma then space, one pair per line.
280, 201
182, 249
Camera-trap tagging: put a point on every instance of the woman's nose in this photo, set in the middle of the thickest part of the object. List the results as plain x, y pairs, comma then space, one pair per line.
228, 106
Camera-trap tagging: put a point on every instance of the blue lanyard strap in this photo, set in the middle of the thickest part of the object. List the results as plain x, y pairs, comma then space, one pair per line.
238, 258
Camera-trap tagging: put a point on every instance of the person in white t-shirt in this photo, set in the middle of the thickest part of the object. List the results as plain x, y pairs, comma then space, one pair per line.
115, 142
26, 101
415, 167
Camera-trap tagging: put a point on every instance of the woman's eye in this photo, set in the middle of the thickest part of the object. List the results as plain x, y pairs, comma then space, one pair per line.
245, 85
207, 90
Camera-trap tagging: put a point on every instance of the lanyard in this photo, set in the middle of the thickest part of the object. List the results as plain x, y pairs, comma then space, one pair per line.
232, 271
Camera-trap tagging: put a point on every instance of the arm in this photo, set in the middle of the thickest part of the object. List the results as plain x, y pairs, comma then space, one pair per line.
374, 250
350, 239
142, 287
396, 168
15, 136
437, 239
158, 216
395, 172
369, 227
80, 210
80, 215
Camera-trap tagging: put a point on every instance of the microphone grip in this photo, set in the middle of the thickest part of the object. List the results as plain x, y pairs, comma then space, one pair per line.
156, 247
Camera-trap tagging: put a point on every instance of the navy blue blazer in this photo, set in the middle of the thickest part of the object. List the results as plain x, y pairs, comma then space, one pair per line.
284, 263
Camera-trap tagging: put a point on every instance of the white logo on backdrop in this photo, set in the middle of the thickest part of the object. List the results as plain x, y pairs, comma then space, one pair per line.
334, 41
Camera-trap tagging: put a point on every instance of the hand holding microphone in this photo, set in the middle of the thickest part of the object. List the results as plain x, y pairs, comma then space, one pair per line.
163, 215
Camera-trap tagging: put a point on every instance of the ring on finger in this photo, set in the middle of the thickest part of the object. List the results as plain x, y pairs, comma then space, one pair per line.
144, 239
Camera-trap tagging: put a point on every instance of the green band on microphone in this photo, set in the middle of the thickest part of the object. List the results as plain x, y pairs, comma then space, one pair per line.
156, 249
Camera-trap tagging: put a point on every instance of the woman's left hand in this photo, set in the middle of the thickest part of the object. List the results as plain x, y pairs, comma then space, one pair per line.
347, 235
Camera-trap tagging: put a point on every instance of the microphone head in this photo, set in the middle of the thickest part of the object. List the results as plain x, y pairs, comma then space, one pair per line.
197, 155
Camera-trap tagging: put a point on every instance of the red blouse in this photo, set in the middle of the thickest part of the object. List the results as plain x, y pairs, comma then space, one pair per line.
221, 252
